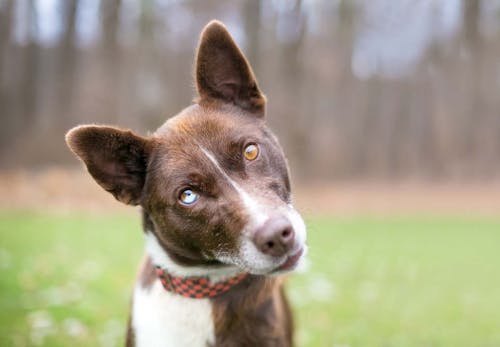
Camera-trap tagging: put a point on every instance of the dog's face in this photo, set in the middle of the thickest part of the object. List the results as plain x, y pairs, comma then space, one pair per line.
213, 180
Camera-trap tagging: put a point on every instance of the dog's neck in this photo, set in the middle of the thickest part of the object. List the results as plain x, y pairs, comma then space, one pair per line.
197, 287
162, 260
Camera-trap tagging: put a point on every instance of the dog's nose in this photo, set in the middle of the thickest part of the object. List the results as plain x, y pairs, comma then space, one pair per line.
275, 237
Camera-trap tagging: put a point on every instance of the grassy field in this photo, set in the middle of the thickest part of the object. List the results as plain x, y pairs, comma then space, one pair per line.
413, 281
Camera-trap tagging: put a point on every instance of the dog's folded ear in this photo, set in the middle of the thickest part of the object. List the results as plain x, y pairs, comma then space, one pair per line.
223, 73
117, 159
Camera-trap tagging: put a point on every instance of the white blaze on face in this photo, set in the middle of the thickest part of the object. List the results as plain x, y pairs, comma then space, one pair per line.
249, 257
257, 218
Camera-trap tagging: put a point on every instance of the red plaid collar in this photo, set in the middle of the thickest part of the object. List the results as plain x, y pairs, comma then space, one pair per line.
196, 287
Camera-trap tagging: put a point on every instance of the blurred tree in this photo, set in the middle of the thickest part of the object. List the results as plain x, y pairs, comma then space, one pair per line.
6, 14
252, 27
340, 97
27, 95
67, 62
110, 55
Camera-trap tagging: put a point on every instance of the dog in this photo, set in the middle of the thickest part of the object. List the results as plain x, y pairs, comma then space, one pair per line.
214, 190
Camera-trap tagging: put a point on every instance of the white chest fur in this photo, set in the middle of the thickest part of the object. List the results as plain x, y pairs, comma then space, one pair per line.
163, 319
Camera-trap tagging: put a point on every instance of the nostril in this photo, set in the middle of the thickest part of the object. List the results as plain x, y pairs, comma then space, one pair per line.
286, 233
275, 237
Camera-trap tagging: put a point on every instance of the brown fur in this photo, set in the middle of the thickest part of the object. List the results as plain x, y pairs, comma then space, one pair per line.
222, 72
115, 158
255, 313
151, 172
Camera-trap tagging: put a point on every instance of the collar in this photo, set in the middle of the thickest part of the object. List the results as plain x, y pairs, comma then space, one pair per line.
196, 287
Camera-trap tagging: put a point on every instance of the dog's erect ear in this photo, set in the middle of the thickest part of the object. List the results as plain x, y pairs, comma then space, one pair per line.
223, 73
117, 159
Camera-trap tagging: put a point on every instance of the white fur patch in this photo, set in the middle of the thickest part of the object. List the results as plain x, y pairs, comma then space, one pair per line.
254, 210
164, 319
160, 258
249, 257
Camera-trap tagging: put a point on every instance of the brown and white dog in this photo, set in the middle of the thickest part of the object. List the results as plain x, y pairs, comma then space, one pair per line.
214, 188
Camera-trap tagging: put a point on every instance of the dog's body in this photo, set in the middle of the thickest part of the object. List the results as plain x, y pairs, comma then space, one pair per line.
253, 314
218, 221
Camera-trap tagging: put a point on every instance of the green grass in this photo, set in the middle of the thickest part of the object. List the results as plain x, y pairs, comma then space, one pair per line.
66, 281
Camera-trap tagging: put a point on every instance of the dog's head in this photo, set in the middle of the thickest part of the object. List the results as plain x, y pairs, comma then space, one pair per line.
213, 180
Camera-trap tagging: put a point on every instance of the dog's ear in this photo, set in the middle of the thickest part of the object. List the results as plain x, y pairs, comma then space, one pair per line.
116, 159
223, 73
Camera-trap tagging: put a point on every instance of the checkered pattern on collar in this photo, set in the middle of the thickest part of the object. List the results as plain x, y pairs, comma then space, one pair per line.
196, 287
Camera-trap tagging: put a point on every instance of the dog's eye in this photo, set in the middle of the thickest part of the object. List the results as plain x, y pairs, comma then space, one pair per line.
188, 197
251, 152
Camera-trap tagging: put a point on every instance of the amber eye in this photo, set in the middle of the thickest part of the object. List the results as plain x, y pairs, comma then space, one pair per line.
251, 152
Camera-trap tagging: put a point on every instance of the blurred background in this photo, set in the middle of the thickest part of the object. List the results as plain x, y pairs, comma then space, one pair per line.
389, 112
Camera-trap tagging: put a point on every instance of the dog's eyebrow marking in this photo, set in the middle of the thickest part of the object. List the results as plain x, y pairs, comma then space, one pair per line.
252, 206
244, 195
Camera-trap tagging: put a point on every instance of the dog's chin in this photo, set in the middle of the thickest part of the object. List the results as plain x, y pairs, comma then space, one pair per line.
289, 263
292, 262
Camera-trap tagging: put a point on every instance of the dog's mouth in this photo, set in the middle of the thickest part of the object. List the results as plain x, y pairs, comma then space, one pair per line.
288, 263
291, 262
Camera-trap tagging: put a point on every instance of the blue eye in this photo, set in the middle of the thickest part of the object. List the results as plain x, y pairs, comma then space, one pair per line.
188, 197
